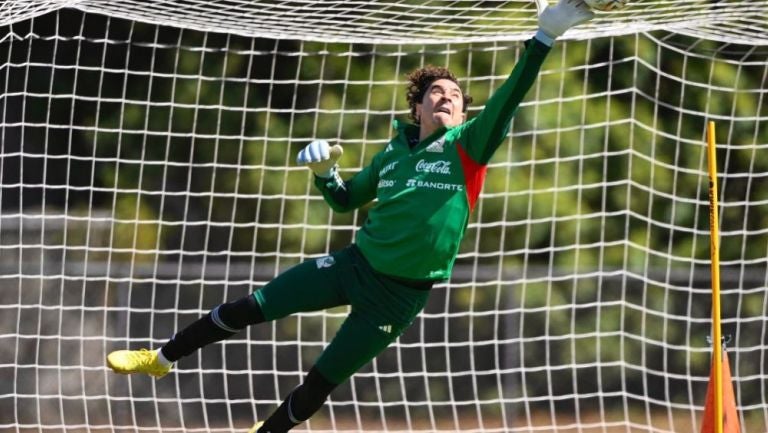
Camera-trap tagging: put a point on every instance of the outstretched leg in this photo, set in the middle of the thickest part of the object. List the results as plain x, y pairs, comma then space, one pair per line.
356, 343
220, 323
382, 310
309, 286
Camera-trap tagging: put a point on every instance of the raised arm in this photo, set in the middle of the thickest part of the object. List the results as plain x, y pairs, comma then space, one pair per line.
485, 133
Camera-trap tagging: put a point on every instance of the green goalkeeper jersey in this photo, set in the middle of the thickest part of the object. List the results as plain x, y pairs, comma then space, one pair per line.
426, 190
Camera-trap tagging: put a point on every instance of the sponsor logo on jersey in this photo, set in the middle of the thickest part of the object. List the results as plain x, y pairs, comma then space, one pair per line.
440, 167
437, 146
325, 262
387, 168
386, 328
418, 183
389, 148
386, 183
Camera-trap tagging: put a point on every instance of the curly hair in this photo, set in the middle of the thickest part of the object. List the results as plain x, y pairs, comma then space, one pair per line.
419, 81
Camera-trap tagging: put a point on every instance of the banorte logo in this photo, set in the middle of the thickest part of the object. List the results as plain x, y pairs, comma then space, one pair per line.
441, 167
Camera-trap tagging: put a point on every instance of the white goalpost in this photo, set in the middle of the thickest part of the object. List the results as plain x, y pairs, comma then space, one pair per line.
147, 175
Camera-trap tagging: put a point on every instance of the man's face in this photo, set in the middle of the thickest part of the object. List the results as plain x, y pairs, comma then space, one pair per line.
442, 105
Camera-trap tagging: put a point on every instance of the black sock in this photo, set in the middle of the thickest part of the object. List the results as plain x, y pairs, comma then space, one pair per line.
221, 323
300, 404
200, 333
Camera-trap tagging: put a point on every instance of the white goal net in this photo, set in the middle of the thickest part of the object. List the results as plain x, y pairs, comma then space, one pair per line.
147, 174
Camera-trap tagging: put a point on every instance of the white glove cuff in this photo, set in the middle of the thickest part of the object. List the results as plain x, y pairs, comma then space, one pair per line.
328, 174
544, 38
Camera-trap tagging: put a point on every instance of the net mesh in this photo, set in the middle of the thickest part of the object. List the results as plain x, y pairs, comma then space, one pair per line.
147, 176
427, 22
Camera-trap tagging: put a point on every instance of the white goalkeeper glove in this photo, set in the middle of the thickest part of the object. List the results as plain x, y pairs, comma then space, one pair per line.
556, 20
320, 157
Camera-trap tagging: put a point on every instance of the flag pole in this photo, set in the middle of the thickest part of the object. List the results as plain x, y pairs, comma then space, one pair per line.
714, 232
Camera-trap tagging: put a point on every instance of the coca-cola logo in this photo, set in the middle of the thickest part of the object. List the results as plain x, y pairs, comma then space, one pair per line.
441, 167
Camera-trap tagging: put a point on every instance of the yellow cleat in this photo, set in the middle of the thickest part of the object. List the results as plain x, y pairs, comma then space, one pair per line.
137, 361
255, 427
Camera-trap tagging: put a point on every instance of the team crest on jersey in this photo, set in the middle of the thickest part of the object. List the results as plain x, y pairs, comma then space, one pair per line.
325, 262
437, 146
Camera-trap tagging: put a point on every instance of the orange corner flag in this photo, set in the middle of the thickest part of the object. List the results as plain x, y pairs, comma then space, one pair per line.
730, 415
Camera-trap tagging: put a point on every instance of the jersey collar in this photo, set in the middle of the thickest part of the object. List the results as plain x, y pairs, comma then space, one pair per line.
410, 131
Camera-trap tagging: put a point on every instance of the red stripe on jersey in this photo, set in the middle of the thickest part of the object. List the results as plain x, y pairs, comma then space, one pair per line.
474, 176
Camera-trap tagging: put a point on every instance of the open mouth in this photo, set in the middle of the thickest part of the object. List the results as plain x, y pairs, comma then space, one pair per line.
443, 110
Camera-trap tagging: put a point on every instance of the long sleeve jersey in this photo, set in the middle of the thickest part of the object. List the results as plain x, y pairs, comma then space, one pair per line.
426, 192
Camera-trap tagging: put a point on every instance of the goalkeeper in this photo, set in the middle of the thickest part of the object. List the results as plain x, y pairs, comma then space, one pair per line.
426, 183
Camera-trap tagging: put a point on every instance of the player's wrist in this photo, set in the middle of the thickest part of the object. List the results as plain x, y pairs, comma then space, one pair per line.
327, 174
545, 38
